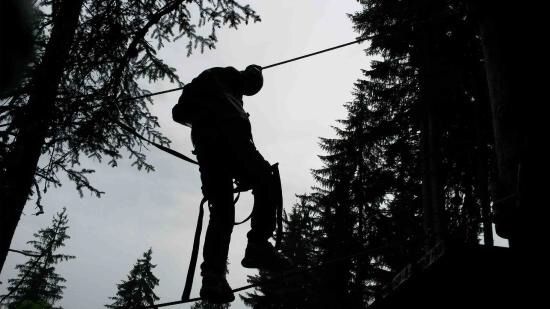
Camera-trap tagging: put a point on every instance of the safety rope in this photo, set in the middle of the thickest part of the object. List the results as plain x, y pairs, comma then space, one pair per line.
279, 277
159, 146
194, 253
318, 52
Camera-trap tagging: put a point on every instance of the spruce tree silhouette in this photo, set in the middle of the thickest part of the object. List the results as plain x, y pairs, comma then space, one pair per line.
38, 281
137, 291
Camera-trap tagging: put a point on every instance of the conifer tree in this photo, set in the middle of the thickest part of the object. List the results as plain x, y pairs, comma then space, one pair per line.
410, 163
38, 283
292, 291
137, 291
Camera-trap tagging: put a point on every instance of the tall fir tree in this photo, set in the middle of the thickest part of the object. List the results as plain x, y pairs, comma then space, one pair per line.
90, 55
38, 283
137, 291
410, 164
288, 292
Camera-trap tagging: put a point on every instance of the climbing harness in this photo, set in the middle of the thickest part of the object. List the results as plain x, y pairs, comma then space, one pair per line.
275, 184
194, 253
196, 244
277, 196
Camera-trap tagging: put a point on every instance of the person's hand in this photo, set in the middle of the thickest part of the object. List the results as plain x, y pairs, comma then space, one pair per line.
256, 67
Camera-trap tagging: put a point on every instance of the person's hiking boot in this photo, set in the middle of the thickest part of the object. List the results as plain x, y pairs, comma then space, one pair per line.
265, 257
215, 289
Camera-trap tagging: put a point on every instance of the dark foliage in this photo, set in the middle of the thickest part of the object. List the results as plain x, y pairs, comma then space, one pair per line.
38, 282
409, 165
89, 57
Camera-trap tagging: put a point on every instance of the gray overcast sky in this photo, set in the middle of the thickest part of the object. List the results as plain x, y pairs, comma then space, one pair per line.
298, 104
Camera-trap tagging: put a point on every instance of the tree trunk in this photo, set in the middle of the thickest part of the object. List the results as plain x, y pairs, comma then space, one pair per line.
431, 187
505, 127
483, 193
21, 162
516, 87
513, 91
426, 59
482, 165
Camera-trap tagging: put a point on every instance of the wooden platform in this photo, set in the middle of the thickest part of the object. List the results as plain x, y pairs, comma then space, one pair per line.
454, 276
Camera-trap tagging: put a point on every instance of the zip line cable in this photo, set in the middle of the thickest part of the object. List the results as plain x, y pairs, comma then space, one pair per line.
278, 277
263, 68
186, 158
152, 94
317, 53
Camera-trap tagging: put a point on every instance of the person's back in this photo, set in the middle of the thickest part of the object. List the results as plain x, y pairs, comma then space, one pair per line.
217, 95
212, 106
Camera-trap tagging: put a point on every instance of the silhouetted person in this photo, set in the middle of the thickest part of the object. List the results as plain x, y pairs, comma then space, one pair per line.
212, 106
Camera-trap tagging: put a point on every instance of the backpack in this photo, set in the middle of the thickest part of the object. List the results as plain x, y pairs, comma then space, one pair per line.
184, 110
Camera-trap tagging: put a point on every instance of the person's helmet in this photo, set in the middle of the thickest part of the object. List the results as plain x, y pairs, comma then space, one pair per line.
252, 79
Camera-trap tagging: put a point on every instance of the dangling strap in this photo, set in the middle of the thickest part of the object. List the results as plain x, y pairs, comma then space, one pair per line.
194, 254
196, 244
278, 200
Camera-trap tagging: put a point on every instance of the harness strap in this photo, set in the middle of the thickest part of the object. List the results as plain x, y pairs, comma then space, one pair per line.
235, 202
194, 253
196, 244
278, 200
159, 146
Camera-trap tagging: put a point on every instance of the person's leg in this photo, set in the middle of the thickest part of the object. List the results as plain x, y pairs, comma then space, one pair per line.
220, 226
264, 210
259, 251
217, 187
250, 167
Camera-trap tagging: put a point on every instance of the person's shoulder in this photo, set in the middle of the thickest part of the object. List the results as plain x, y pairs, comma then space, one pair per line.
221, 69
231, 70
217, 71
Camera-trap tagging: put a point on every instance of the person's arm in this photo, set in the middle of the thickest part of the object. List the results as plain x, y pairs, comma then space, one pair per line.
182, 111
